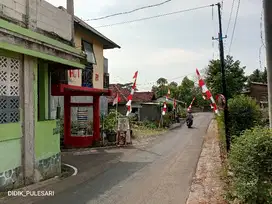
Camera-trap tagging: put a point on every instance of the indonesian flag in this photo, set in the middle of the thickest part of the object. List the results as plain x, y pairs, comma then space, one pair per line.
190, 106
116, 100
129, 98
207, 95
164, 108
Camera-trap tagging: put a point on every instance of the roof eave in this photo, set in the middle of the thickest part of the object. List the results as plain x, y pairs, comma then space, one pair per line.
111, 46
107, 43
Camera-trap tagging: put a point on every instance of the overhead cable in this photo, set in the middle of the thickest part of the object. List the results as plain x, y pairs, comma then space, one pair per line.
156, 16
128, 12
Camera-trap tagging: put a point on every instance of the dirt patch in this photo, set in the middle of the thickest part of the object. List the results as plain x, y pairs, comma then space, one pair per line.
207, 186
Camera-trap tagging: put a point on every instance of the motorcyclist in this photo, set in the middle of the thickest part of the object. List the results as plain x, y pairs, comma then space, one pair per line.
189, 115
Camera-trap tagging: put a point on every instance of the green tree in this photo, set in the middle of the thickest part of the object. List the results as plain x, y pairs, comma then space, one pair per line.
235, 77
162, 82
258, 76
173, 84
161, 89
185, 90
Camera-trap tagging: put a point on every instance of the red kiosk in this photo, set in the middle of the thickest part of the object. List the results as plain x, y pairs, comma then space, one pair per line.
70, 90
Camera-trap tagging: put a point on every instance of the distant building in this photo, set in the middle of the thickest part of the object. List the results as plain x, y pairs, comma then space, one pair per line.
259, 92
143, 104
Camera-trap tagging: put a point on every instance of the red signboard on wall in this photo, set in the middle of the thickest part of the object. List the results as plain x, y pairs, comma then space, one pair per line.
96, 77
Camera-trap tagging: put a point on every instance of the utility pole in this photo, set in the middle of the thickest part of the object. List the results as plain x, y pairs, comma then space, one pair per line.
70, 10
224, 87
267, 6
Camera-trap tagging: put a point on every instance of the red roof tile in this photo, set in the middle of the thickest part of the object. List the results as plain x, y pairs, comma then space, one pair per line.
124, 93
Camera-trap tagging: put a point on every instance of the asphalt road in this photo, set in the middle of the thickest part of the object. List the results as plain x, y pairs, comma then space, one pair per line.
159, 174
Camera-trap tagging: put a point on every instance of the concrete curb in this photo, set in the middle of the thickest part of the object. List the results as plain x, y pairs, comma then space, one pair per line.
194, 173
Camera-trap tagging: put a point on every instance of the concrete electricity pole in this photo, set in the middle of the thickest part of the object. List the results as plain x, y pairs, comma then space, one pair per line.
223, 76
70, 10
267, 6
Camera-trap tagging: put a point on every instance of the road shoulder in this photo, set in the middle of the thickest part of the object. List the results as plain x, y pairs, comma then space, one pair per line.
207, 186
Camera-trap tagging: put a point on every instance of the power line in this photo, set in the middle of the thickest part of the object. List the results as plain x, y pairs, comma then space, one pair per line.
236, 17
214, 33
128, 12
232, 6
260, 56
261, 29
169, 79
156, 16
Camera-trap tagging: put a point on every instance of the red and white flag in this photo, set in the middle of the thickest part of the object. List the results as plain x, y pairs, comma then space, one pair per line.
190, 106
131, 94
164, 108
207, 95
116, 100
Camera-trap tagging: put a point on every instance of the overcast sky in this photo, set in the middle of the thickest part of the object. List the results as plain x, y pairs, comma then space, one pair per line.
171, 46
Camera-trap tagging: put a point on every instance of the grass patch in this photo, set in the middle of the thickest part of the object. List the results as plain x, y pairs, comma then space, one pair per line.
141, 132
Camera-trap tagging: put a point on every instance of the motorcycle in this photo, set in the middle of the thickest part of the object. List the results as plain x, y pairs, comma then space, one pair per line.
189, 123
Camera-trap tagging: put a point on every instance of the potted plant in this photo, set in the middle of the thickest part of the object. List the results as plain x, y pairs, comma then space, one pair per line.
110, 126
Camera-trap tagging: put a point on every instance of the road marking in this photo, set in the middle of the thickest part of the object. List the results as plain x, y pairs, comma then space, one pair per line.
74, 168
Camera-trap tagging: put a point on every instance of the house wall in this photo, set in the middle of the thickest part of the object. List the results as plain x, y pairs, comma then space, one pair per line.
48, 17
121, 108
47, 139
10, 133
259, 92
80, 34
76, 77
150, 112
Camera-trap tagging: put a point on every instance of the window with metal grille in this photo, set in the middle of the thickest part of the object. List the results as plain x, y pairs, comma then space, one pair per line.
9, 90
88, 48
87, 73
87, 76
106, 80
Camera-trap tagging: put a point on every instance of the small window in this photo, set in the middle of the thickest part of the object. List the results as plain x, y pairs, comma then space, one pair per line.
88, 48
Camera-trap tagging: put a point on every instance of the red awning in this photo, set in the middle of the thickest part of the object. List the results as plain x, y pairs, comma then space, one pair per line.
71, 90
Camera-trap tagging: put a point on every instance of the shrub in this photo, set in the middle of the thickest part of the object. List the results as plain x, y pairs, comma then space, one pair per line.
182, 113
251, 162
110, 121
167, 119
244, 113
